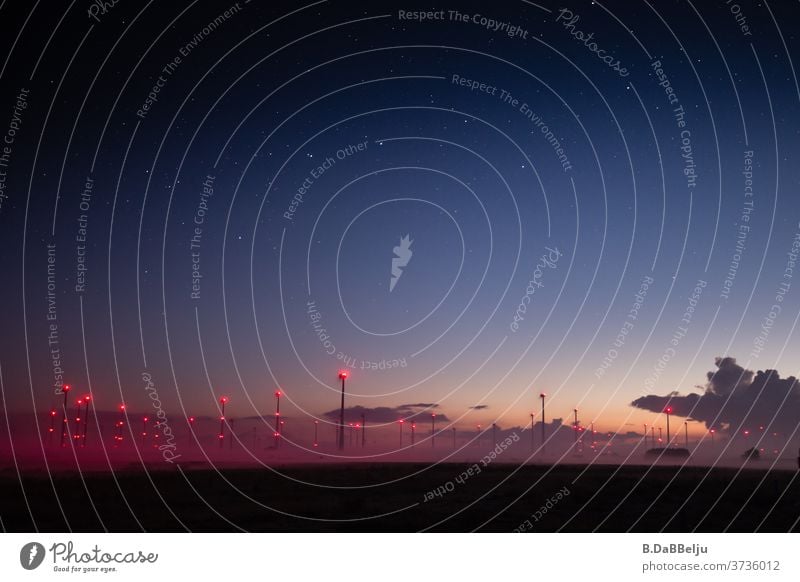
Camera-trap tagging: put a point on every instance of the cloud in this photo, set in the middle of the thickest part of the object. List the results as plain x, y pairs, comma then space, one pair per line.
417, 411
479, 407
728, 377
736, 399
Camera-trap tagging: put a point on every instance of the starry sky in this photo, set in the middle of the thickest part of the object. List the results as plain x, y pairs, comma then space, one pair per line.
599, 199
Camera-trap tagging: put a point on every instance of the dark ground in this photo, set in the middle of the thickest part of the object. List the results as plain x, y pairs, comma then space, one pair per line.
202, 500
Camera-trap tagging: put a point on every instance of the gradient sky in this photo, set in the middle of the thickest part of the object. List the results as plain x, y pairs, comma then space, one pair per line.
273, 91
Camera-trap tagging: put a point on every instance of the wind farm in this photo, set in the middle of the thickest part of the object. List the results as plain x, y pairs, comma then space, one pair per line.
333, 453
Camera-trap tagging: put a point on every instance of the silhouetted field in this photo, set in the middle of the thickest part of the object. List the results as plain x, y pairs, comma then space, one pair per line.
499, 498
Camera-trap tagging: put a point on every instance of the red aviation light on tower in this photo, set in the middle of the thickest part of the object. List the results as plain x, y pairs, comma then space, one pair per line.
668, 410
66, 388
223, 400
343, 374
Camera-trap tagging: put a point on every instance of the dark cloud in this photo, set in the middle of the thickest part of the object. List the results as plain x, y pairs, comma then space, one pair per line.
736, 399
728, 377
418, 411
479, 407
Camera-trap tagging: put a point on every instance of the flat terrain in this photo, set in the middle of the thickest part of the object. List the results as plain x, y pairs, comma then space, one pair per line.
392, 498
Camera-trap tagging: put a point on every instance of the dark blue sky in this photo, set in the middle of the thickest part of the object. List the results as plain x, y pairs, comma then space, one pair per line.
544, 151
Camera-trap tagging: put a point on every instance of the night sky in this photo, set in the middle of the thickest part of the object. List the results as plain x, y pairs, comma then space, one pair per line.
599, 200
